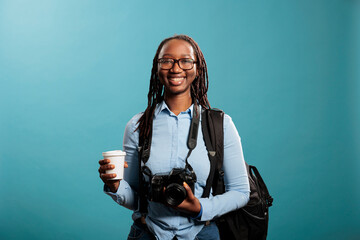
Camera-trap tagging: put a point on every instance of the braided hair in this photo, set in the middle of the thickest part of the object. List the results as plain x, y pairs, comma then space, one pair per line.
198, 91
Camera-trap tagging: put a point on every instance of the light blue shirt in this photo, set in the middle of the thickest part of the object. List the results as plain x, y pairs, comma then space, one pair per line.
168, 151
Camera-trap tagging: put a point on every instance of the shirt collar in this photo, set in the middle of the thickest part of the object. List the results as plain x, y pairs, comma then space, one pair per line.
163, 107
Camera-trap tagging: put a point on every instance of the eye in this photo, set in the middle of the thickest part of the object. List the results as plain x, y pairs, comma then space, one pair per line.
187, 60
166, 60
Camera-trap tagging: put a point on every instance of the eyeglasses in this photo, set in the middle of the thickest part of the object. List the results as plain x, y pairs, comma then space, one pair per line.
168, 63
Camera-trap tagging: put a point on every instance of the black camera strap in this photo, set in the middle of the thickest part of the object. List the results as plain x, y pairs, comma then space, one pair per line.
145, 144
193, 133
144, 154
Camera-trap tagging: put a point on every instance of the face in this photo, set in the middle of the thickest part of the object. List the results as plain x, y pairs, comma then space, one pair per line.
176, 80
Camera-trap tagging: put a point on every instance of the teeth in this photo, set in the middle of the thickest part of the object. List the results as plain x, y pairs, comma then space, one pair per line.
176, 79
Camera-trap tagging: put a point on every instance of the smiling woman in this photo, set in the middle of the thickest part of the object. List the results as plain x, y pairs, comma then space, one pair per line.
171, 203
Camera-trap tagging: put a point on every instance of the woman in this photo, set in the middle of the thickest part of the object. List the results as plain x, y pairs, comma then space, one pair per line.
178, 82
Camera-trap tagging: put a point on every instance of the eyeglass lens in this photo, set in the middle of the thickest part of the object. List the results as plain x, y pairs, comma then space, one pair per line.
185, 64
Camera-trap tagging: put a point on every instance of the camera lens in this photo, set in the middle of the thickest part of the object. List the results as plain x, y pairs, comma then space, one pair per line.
175, 194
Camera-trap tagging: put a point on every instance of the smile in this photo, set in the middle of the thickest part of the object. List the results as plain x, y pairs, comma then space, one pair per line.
176, 81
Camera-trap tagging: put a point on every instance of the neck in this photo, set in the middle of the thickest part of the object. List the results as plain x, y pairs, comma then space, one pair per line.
178, 103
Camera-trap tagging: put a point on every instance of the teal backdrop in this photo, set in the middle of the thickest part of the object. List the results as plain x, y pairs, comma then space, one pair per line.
72, 73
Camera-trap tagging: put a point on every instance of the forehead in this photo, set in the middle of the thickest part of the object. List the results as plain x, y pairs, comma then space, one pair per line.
177, 48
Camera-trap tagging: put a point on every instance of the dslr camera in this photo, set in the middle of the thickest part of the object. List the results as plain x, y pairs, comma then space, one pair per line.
174, 192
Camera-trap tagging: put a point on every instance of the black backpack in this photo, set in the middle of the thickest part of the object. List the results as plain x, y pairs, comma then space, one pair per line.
251, 221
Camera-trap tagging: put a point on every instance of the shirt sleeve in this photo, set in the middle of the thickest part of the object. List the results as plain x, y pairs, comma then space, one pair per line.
126, 194
237, 189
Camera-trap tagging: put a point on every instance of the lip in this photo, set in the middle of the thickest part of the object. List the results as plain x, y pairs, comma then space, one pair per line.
176, 80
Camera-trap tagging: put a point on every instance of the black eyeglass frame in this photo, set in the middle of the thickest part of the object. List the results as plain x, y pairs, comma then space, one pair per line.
176, 61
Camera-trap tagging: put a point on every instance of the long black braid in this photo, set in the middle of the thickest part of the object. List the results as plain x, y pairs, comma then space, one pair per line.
199, 86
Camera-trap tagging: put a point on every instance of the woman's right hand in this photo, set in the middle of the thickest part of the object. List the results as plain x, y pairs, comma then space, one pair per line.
106, 178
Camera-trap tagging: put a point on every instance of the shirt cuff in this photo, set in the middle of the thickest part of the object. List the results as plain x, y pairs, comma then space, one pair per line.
117, 197
200, 213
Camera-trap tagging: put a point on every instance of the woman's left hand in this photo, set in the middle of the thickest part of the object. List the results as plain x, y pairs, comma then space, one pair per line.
191, 205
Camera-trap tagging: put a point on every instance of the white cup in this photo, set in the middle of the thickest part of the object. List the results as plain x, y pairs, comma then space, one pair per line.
117, 158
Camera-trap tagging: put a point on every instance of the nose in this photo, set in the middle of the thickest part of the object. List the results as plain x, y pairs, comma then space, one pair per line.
176, 67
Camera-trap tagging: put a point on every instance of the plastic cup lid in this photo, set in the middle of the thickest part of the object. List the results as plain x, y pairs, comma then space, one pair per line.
114, 153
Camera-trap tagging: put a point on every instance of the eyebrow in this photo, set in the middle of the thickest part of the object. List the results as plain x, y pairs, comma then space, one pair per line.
183, 55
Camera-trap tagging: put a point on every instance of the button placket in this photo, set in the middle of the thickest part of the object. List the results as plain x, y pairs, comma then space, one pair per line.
175, 139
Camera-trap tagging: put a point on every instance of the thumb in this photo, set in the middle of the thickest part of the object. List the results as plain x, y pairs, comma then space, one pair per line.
188, 190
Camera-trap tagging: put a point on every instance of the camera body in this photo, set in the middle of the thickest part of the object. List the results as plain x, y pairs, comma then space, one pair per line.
174, 192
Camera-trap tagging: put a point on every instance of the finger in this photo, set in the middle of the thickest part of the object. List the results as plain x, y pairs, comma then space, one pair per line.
105, 176
126, 164
103, 168
108, 166
104, 161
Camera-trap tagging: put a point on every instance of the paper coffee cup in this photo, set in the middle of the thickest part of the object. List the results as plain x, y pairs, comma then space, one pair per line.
117, 158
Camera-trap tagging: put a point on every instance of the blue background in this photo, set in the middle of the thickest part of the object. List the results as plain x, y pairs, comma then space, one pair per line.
72, 73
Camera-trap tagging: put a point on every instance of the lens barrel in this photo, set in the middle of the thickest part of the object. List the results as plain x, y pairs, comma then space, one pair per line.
175, 194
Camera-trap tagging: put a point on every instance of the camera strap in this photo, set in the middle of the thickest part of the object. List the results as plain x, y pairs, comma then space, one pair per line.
193, 133
144, 154
145, 144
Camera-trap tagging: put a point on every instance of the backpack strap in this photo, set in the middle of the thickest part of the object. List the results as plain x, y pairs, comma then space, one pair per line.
213, 132
143, 156
264, 193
